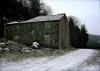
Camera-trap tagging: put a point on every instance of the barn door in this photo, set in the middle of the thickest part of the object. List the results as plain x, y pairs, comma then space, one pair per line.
47, 40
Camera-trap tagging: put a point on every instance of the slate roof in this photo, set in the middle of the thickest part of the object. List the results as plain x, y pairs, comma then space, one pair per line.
43, 18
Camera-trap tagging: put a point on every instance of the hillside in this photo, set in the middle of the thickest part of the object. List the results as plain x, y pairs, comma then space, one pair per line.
94, 41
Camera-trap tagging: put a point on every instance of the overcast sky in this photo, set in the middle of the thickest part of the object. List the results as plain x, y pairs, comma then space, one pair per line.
88, 11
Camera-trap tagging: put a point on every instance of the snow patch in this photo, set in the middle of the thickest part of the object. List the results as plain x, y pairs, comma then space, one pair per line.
65, 62
92, 68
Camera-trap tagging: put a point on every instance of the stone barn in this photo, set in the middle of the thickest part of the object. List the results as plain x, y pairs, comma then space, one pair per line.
50, 31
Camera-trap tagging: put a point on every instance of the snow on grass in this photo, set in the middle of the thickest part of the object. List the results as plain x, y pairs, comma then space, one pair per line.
60, 63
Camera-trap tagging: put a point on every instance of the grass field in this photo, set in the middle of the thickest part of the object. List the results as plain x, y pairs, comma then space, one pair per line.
35, 53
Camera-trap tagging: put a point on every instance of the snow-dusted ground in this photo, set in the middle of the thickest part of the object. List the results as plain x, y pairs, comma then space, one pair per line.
90, 64
69, 61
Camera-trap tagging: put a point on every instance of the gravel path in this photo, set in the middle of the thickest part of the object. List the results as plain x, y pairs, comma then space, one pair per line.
67, 62
91, 64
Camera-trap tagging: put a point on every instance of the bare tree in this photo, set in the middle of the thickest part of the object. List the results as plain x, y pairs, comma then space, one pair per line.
45, 9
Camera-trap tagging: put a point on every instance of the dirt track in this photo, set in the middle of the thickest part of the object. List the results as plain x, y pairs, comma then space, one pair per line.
76, 60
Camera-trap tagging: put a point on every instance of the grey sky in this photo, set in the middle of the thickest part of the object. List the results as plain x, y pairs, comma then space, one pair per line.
88, 11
